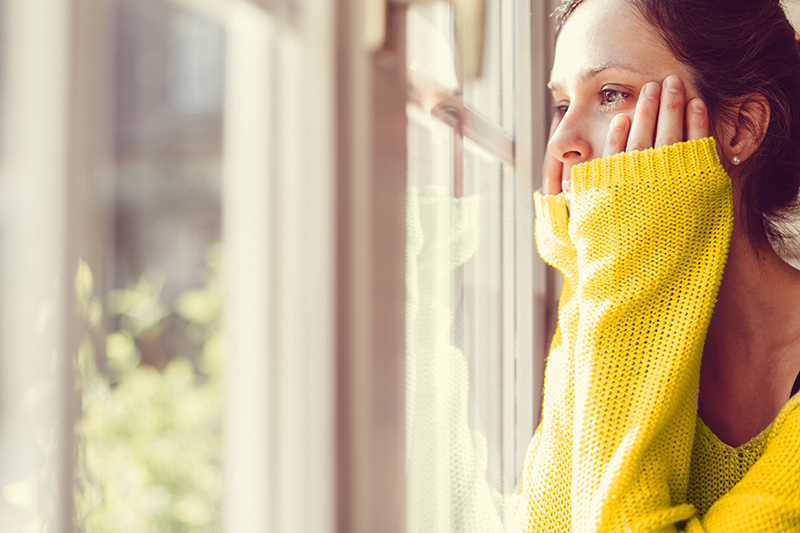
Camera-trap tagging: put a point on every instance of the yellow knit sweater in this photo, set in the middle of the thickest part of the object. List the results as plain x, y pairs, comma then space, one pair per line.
620, 446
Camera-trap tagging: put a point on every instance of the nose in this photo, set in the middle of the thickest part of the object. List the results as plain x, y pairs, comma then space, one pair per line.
569, 143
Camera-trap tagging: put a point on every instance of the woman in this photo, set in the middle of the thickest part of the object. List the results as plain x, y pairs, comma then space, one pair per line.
668, 399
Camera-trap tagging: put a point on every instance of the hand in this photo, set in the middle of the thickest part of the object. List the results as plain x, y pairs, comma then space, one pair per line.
657, 118
657, 121
552, 168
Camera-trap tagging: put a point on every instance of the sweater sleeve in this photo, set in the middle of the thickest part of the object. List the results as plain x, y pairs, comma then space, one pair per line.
544, 501
651, 231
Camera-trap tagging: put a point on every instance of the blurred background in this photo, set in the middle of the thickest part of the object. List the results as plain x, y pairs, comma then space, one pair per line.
268, 265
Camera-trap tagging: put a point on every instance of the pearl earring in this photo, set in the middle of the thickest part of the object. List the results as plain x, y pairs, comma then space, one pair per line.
735, 160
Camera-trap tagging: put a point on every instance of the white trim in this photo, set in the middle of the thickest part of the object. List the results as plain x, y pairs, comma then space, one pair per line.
35, 371
247, 237
280, 255
534, 300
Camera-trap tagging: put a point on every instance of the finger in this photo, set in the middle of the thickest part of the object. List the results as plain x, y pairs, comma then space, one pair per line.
551, 171
552, 168
644, 118
617, 135
697, 120
670, 114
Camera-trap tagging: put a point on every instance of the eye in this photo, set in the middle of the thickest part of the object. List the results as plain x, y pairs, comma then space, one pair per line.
448, 114
560, 109
612, 97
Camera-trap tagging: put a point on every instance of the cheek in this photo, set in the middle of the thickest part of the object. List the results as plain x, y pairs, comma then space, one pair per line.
599, 133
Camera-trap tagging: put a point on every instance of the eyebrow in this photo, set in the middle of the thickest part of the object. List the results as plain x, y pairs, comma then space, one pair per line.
589, 73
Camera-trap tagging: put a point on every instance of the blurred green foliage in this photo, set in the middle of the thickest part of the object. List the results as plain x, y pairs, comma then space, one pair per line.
149, 440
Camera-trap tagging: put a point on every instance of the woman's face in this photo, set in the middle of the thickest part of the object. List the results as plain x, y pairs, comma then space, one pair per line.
605, 54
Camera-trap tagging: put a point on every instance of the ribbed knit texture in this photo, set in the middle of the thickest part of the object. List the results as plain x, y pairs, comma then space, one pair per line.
642, 254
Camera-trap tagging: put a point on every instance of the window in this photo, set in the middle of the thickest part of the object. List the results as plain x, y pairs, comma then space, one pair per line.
203, 252
470, 357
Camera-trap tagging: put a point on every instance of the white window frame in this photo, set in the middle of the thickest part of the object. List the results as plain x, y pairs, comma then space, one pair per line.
314, 419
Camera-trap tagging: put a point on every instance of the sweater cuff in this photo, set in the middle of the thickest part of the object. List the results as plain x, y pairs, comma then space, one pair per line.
665, 163
552, 232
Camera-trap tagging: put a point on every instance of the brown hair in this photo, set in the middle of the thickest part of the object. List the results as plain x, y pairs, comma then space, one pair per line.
736, 49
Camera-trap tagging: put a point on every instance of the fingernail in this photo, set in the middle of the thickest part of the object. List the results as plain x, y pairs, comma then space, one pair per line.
698, 106
618, 123
651, 90
673, 84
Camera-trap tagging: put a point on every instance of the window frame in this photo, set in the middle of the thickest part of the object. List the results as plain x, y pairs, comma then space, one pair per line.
356, 410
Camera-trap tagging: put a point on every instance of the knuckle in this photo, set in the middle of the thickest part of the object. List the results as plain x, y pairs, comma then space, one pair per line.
616, 136
645, 111
674, 104
667, 140
616, 142
700, 123
636, 145
619, 144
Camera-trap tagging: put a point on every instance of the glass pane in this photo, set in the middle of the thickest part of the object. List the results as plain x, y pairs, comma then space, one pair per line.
482, 312
430, 152
484, 94
149, 439
430, 45
456, 375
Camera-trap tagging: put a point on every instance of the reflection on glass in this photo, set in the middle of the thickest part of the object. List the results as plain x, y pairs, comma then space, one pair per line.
455, 323
482, 312
484, 94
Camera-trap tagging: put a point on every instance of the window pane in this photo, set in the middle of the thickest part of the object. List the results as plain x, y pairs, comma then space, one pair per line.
430, 151
485, 94
482, 312
459, 415
149, 438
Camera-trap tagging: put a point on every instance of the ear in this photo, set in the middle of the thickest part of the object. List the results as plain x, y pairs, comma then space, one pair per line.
748, 128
